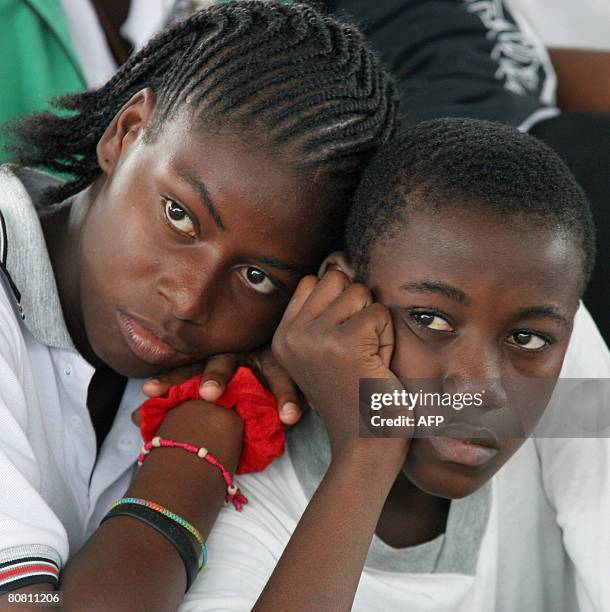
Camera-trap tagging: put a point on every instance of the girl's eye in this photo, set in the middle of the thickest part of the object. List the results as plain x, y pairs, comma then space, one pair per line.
257, 279
432, 321
528, 341
179, 218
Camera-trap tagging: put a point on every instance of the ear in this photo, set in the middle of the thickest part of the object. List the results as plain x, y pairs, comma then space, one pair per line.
124, 129
338, 260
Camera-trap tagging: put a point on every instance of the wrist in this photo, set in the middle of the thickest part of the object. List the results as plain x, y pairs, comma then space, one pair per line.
372, 459
204, 424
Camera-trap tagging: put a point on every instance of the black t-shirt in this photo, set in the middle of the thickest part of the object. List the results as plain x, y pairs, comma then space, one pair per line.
456, 57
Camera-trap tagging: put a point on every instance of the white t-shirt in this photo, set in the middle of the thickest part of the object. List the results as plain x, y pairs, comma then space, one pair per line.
545, 545
54, 490
565, 23
535, 538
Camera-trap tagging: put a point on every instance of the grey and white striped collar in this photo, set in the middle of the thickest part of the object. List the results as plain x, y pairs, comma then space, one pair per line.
24, 257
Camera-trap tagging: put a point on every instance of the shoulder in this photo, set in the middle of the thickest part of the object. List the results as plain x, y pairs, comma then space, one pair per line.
587, 355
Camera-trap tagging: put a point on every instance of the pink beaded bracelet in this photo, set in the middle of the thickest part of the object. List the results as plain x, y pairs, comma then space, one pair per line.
234, 495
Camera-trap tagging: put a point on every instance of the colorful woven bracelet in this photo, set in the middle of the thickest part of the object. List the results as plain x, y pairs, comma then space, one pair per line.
234, 495
171, 515
186, 547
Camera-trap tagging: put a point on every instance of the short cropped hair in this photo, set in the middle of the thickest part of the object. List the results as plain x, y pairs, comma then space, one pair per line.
448, 161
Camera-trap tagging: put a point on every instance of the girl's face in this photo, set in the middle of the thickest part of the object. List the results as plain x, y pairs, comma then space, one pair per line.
192, 244
481, 304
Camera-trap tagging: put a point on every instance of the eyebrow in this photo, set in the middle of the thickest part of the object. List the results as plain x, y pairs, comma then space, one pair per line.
436, 287
281, 265
544, 310
204, 195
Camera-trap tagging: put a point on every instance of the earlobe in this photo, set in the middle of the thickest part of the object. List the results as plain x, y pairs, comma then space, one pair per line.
124, 129
338, 260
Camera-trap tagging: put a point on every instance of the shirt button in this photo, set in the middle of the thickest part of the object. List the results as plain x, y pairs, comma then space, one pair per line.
67, 370
76, 422
125, 443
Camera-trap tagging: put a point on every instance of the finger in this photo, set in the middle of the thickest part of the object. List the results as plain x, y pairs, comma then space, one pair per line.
373, 329
385, 331
155, 387
216, 374
283, 388
354, 299
332, 285
306, 285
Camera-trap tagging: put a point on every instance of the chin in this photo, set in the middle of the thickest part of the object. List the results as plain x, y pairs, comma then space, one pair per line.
443, 479
447, 488
126, 365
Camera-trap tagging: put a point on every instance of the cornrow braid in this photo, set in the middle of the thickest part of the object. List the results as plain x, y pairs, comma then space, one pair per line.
311, 82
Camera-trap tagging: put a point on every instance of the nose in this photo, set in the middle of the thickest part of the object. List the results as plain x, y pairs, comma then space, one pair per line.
475, 367
189, 293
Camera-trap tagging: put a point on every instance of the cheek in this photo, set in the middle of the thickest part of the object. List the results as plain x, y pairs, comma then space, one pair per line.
119, 254
240, 326
411, 357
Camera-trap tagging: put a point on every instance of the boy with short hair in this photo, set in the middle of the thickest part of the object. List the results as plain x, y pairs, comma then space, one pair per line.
475, 244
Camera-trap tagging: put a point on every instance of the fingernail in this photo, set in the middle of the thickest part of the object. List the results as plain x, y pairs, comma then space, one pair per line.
211, 388
290, 411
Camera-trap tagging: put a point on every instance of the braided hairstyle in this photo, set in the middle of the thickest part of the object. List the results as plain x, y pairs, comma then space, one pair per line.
310, 82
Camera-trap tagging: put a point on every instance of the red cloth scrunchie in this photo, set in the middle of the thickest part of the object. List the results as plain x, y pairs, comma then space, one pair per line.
264, 436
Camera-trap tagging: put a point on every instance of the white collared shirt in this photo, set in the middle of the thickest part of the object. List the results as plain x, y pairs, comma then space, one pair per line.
54, 486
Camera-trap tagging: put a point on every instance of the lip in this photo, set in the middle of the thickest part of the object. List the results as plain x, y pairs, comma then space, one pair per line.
145, 344
462, 452
466, 432
472, 446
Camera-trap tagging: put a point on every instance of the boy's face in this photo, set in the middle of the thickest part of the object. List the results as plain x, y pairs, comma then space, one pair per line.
480, 303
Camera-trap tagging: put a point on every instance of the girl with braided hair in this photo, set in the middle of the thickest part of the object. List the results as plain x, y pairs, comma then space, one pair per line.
203, 180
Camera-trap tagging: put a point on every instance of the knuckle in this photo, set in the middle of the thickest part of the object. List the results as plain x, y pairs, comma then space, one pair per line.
333, 344
362, 292
381, 311
307, 284
337, 278
278, 345
272, 368
292, 340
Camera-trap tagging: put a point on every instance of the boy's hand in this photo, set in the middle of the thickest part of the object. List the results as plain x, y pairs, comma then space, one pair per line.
219, 369
333, 334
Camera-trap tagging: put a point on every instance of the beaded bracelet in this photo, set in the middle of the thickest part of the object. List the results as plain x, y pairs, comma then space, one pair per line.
234, 495
171, 515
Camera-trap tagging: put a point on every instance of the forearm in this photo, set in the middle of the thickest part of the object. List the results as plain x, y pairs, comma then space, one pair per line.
583, 79
128, 565
321, 566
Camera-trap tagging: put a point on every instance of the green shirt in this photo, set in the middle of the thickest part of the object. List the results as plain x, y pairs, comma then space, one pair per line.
39, 60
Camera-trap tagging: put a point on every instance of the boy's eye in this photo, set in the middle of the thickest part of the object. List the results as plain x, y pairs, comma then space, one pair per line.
432, 321
257, 279
528, 341
179, 218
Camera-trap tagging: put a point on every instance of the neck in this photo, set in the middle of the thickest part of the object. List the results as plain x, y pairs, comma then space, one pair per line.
410, 516
61, 226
